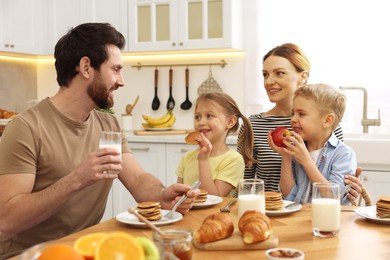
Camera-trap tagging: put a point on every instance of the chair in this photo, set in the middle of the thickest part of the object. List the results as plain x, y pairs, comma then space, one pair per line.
364, 195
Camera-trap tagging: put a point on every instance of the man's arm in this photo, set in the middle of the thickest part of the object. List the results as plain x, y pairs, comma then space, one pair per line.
20, 208
145, 187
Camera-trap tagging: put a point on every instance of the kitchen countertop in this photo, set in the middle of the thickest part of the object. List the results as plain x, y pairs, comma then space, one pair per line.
174, 139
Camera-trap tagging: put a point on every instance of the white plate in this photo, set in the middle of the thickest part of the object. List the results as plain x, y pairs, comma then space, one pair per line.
211, 200
283, 211
370, 214
158, 129
127, 218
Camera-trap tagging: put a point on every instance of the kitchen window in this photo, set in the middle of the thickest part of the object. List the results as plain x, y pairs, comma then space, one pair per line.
346, 41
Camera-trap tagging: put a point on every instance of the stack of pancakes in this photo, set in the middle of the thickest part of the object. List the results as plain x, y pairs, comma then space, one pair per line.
273, 200
202, 197
150, 210
383, 207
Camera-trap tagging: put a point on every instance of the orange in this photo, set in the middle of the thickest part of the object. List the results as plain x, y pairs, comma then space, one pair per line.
60, 252
86, 244
119, 245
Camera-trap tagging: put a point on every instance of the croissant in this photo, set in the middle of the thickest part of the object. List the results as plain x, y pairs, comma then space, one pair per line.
214, 227
254, 227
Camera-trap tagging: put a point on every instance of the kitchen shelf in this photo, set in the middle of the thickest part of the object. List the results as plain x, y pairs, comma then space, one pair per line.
222, 63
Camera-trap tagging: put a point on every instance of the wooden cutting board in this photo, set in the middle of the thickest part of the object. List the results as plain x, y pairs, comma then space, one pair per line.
235, 242
165, 132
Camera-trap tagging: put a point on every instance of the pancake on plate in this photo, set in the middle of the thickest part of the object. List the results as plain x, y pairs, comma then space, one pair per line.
202, 197
273, 201
151, 210
383, 207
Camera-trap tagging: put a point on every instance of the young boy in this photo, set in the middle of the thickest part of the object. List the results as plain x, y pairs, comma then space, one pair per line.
313, 153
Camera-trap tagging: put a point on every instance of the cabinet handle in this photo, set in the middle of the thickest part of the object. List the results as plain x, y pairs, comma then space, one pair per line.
173, 44
145, 149
181, 44
365, 178
12, 45
6, 45
185, 150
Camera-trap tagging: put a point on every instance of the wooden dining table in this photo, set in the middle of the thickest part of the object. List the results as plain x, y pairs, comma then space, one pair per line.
358, 238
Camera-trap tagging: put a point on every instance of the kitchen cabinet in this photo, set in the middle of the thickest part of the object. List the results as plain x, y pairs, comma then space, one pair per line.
157, 155
377, 183
21, 26
176, 25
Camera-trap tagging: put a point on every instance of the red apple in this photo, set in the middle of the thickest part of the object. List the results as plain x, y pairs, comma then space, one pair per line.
279, 134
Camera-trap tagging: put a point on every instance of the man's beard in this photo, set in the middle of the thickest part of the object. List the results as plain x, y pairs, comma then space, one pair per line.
99, 94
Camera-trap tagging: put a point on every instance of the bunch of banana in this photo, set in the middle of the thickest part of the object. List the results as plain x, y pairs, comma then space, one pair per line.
165, 121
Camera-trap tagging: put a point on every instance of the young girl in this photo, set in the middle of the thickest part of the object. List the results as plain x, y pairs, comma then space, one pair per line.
314, 153
217, 167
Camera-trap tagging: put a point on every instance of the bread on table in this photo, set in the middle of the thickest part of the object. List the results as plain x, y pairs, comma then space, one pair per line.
254, 227
214, 227
5, 114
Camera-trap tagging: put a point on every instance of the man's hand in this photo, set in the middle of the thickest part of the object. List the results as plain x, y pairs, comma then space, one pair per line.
172, 194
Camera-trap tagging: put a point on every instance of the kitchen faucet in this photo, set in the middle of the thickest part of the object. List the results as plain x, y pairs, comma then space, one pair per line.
365, 121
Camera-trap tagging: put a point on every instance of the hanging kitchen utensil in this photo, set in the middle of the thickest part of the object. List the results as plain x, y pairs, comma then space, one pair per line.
156, 101
187, 103
171, 101
209, 85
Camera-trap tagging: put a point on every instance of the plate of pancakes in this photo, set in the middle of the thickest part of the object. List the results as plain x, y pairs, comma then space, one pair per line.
276, 206
150, 210
204, 200
380, 213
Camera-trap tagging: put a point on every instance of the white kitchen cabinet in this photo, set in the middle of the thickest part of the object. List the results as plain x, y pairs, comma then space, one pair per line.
175, 25
175, 152
377, 183
21, 26
64, 15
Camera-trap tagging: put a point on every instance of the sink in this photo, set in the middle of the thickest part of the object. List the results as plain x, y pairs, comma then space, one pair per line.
372, 150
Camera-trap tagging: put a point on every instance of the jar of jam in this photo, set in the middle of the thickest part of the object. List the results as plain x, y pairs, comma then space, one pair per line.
176, 243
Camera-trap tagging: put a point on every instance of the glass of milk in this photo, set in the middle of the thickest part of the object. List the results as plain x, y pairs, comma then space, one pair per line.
251, 196
111, 140
325, 209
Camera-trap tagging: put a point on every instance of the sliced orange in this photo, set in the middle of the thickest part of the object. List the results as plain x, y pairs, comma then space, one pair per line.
60, 252
86, 244
119, 245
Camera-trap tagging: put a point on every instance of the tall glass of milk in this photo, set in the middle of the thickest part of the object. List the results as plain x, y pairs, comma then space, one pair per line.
111, 140
251, 196
325, 209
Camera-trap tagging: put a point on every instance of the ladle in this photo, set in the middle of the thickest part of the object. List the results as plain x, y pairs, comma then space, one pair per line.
156, 101
187, 103
171, 101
